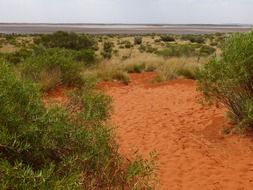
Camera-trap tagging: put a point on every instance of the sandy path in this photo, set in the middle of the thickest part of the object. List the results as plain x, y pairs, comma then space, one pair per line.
193, 154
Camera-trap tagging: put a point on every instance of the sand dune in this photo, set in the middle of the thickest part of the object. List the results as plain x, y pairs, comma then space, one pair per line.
193, 153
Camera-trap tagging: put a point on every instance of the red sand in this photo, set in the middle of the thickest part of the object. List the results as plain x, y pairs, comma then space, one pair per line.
168, 118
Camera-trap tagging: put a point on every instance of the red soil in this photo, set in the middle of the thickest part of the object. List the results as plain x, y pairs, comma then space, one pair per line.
58, 95
168, 118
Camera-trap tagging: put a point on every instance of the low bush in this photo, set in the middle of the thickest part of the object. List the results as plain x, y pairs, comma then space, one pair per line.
177, 50
58, 147
194, 38
56, 64
107, 50
137, 40
18, 56
228, 79
147, 48
66, 40
167, 38
127, 44
213, 43
111, 72
206, 50
87, 56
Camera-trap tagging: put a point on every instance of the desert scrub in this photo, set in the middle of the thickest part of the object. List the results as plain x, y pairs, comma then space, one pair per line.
66, 40
17, 56
51, 67
177, 68
58, 147
137, 40
111, 72
134, 67
177, 50
87, 56
107, 50
228, 79
167, 38
147, 48
193, 38
127, 44
206, 50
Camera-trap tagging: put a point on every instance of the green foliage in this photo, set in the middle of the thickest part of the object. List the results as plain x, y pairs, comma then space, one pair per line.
66, 40
228, 80
86, 55
127, 44
167, 38
60, 147
137, 40
32, 155
18, 56
206, 50
107, 50
52, 63
147, 48
96, 106
177, 50
193, 38
213, 43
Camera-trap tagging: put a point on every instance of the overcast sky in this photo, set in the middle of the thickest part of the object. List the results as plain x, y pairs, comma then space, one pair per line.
128, 11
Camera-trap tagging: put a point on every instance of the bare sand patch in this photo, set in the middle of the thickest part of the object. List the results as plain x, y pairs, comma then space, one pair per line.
168, 118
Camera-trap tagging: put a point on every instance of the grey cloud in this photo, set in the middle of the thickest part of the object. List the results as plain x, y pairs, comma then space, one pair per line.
127, 11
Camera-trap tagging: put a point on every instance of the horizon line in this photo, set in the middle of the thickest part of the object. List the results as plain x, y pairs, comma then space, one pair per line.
158, 24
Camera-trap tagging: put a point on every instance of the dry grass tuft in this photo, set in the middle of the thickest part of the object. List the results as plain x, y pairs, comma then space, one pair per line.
177, 68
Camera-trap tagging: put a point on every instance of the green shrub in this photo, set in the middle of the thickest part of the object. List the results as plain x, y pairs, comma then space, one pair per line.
142, 48
96, 106
206, 50
177, 50
66, 40
228, 80
55, 62
107, 50
87, 56
127, 44
18, 56
167, 38
193, 38
58, 147
213, 43
147, 48
137, 40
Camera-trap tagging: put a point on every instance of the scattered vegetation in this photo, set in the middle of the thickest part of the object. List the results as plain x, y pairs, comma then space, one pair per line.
107, 50
66, 40
194, 38
167, 38
206, 50
70, 146
61, 147
87, 56
51, 67
177, 50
